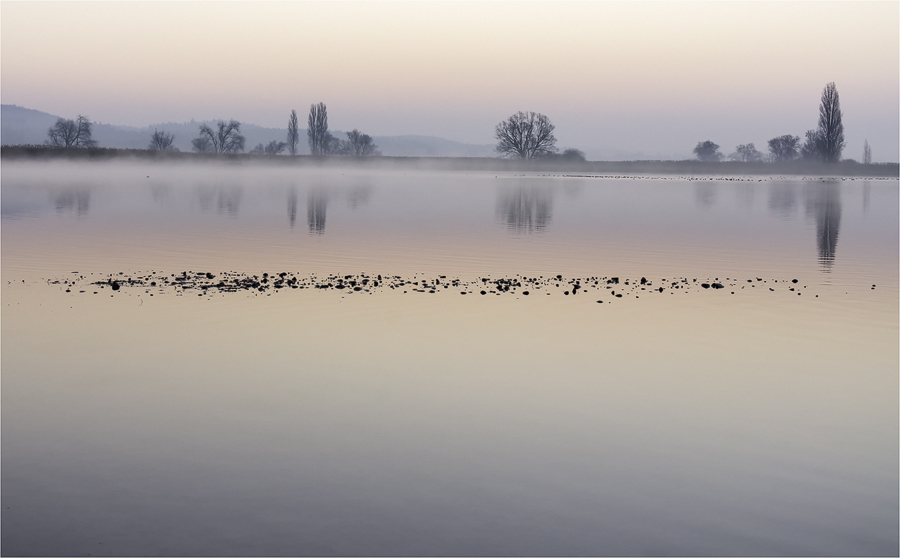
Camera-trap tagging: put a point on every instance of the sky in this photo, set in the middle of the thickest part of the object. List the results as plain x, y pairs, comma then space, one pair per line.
651, 78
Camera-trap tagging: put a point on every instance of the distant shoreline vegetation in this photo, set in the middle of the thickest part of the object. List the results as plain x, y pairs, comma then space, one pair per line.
555, 164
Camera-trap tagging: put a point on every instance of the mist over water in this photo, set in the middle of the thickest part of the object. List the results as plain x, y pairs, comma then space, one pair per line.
643, 416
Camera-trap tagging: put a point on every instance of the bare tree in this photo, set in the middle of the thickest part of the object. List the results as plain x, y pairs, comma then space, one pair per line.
831, 130
811, 150
275, 147
784, 148
360, 144
317, 130
202, 145
525, 135
227, 139
746, 153
71, 133
573, 154
161, 141
707, 151
334, 146
867, 153
293, 133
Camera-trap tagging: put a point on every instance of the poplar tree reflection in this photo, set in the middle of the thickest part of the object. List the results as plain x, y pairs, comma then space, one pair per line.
525, 208
316, 206
823, 202
292, 206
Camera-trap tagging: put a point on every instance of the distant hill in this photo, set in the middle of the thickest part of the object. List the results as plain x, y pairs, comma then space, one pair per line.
19, 126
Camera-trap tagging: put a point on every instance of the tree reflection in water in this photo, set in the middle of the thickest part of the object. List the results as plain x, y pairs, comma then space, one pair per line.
292, 206
76, 200
316, 206
823, 202
525, 209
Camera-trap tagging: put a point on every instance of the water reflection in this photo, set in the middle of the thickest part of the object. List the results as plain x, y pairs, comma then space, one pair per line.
705, 194
292, 206
77, 201
525, 209
745, 195
823, 202
782, 199
316, 207
358, 196
226, 199
867, 192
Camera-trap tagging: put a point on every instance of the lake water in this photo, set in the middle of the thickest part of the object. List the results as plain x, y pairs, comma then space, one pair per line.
760, 418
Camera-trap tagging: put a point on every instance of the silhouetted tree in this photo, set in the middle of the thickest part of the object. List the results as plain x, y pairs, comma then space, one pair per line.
707, 151
867, 153
784, 148
317, 130
831, 130
293, 133
334, 146
360, 144
227, 139
275, 147
525, 135
71, 133
161, 141
572, 154
811, 150
746, 153
202, 145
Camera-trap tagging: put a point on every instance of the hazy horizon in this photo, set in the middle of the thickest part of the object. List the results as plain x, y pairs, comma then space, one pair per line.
638, 77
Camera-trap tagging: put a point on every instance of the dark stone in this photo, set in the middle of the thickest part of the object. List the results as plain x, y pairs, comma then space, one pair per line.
705, 285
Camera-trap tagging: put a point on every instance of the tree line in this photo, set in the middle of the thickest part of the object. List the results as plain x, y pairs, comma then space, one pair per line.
825, 143
524, 135
226, 137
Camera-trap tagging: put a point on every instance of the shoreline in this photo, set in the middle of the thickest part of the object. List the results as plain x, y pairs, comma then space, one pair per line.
684, 167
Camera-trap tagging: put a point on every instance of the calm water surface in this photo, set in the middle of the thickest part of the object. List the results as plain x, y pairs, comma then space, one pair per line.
320, 422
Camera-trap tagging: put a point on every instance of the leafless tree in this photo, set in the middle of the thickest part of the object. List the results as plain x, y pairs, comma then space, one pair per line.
293, 133
360, 144
71, 133
746, 153
867, 153
831, 130
334, 146
317, 130
573, 154
707, 151
227, 139
275, 147
784, 148
202, 145
811, 150
161, 141
525, 135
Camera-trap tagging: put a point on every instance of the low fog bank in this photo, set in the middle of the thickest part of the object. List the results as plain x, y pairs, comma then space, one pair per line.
485, 164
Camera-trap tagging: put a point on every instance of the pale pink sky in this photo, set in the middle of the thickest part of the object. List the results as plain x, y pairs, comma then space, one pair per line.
651, 77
